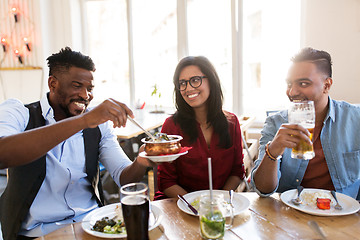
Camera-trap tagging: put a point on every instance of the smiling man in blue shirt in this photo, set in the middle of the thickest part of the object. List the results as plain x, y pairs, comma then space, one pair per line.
336, 138
52, 149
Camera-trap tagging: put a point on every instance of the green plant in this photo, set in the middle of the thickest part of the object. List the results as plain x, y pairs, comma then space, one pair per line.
156, 94
156, 91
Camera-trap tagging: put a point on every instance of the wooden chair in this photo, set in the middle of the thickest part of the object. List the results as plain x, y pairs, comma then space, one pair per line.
250, 155
152, 182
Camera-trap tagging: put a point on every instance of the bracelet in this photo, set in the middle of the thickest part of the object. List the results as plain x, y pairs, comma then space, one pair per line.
268, 153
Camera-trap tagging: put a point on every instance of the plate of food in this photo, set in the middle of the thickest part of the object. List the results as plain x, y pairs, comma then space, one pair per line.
101, 216
240, 202
163, 148
163, 158
313, 201
162, 144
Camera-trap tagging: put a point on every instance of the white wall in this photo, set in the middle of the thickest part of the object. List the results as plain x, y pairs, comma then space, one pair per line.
334, 26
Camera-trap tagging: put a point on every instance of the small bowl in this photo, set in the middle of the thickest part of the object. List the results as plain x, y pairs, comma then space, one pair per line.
171, 146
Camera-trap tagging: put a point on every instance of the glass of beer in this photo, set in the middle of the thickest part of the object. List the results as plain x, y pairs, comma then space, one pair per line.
135, 209
303, 113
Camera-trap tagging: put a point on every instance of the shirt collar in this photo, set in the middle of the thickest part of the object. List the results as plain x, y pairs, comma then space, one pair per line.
331, 111
47, 111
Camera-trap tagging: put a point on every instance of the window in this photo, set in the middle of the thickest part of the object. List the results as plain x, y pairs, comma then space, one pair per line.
209, 31
155, 50
270, 36
108, 47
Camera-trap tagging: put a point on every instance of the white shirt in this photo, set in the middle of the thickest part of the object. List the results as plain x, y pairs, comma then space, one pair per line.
64, 195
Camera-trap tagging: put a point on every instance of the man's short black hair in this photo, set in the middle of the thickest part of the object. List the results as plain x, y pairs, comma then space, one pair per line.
321, 59
66, 58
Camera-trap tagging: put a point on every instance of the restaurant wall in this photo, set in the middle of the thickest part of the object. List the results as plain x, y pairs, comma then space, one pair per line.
334, 26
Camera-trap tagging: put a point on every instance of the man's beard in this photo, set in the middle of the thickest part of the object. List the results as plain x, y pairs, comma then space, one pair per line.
67, 111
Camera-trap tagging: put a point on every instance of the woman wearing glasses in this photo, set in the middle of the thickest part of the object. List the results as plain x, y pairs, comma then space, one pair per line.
207, 128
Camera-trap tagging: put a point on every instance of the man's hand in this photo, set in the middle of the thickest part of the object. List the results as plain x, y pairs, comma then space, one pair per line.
145, 161
110, 109
136, 171
288, 136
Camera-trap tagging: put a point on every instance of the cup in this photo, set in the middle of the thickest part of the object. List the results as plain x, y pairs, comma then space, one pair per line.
303, 113
135, 209
214, 216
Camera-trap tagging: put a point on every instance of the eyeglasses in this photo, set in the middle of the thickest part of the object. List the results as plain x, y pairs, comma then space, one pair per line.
194, 81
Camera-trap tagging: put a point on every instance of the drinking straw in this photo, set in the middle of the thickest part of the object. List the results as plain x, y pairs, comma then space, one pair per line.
210, 180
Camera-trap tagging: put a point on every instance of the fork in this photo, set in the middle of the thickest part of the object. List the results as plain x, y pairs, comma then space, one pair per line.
231, 194
297, 201
145, 131
337, 206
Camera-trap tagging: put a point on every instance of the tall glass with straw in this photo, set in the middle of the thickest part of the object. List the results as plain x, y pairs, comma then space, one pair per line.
212, 212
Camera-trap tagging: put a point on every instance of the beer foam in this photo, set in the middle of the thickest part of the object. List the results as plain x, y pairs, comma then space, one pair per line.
134, 200
308, 125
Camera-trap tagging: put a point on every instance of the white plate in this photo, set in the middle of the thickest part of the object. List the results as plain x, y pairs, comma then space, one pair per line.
349, 204
240, 202
162, 158
109, 211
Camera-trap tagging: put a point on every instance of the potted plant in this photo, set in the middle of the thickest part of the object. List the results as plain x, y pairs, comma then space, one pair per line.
157, 95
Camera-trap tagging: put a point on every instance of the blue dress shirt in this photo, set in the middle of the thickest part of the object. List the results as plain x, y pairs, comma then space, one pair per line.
340, 140
64, 195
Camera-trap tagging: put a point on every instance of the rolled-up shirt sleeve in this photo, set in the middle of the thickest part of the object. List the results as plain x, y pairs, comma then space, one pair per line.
112, 155
267, 134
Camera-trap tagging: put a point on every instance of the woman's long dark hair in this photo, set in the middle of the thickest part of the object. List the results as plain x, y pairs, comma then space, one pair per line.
185, 115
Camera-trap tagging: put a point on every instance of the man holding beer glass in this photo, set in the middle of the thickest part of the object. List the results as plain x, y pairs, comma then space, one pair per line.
335, 138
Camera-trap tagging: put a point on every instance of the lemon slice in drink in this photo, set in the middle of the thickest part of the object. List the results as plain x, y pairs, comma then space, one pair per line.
212, 227
209, 233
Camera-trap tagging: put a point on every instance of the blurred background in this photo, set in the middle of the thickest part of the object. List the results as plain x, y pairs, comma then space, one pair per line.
136, 45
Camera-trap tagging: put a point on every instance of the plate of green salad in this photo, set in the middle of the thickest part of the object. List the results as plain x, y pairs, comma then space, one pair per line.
107, 221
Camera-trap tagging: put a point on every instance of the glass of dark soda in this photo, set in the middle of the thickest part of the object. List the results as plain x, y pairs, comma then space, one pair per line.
135, 209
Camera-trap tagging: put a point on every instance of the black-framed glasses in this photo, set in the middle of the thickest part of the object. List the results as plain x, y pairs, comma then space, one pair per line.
194, 81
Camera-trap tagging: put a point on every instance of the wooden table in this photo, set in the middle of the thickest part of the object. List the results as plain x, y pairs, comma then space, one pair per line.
266, 218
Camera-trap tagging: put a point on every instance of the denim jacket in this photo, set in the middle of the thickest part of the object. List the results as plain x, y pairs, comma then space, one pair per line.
340, 140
